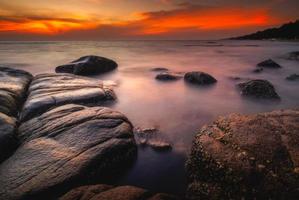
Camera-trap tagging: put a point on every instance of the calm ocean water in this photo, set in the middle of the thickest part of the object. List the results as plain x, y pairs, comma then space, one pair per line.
177, 109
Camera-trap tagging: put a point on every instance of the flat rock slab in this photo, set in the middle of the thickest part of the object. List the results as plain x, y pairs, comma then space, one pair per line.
51, 90
8, 140
88, 65
107, 192
251, 157
13, 86
64, 147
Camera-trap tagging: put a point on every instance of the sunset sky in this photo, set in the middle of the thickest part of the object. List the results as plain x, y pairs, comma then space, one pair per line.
139, 19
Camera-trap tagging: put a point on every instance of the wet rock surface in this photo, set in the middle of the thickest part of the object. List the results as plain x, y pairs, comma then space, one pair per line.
8, 140
262, 89
107, 192
64, 147
199, 78
246, 156
51, 90
88, 65
168, 76
13, 86
293, 77
151, 137
269, 64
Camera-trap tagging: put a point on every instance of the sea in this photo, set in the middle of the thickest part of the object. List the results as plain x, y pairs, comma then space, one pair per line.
177, 109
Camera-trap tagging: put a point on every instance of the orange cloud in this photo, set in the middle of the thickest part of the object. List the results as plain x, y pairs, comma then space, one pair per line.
46, 26
204, 19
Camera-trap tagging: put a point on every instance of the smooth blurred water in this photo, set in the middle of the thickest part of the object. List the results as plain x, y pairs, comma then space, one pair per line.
176, 108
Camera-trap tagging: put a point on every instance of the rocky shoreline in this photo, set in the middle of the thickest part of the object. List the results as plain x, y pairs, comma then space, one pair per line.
57, 135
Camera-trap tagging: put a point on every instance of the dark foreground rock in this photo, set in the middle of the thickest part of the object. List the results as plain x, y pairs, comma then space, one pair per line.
268, 64
13, 86
51, 90
258, 89
167, 76
88, 65
199, 78
107, 192
65, 147
293, 77
246, 157
8, 140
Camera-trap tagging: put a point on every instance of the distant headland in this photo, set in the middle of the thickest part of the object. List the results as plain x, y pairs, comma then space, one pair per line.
289, 31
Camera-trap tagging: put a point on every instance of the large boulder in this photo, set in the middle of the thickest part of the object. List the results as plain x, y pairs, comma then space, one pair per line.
65, 147
88, 65
258, 89
199, 78
107, 192
8, 140
246, 157
13, 86
268, 64
51, 90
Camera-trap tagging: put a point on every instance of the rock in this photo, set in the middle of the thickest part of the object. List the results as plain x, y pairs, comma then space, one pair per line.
166, 76
8, 140
51, 90
293, 77
199, 78
159, 69
246, 157
294, 55
258, 70
88, 65
65, 147
107, 192
13, 86
152, 138
268, 64
259, 89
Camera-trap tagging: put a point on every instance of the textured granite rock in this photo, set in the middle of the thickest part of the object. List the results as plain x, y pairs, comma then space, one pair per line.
64, 147
246, 157
51, 90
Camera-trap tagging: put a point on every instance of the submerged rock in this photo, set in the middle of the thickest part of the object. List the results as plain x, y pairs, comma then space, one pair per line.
166, 76
152, 138
8, 140
293, 77
159, 69
258, 89
258, 70
199, 78
246, 157
107, 192
294, 55
88, 65
269, 64
51, 90
65, 147
13, 86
